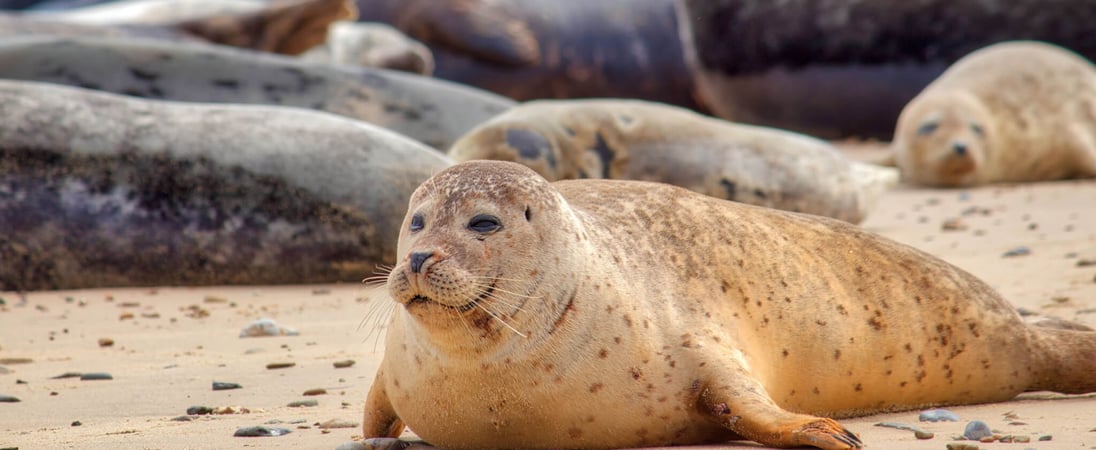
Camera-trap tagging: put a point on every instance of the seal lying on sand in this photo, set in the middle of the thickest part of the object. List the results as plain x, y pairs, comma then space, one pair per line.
1011, 112
637, 140
603, 313
431, 111
98, 189
287, 26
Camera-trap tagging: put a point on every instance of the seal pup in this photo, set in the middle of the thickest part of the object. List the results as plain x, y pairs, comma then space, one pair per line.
99, 189
607, 313
432, 111
373, 45
1011, 112
637, 140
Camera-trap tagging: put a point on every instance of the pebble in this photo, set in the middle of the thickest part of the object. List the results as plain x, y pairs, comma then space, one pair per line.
224, 386
961, 446
223, 410
266, 327
18, 381
183, 419
4, 370
16, 360
922, 434
1086, 262
304, 403
280, 365
125, 316
106, 342
1018, 251
938, 415
215, 299
260, 431
338, 423
199, 410
353, 445
77, 423
976, 430
953, 225
1021, 439
344, 364
317, 391
96, 376
1046, 437
8, 399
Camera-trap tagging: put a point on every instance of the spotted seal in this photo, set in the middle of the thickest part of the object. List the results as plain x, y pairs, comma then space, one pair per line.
638, 140
990, 119
607, 313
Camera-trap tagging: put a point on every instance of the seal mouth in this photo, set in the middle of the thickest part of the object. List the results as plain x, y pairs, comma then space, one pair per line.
422, 299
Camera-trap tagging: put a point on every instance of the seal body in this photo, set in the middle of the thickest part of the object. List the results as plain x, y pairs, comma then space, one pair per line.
106, 190
638, 140
434, 112
991, 119
603, 313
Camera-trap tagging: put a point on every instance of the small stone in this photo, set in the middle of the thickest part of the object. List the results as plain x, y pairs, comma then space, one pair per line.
214, 299
976, 430
53, 394
304, 403
8, 399
1086, 262
67, 375
224, 410
280, 365
321, 291
96, 376
953, 225
1006, 439
961, 446
1018, 251
923, 435
76, 423
129, 305
224, 386
938, 415
338, 423
260, 431
316, 391
987, 440
1021, 439
897, 426
182, 419
125, 316
199, 410
1046, 437
266, 327
344, 364
19, 381
16, 360
355, 445
106, 342
150, 315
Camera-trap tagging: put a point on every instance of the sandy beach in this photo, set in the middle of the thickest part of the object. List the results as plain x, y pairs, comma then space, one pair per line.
171, 343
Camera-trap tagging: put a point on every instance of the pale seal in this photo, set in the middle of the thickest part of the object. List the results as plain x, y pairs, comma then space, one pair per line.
603, 313
373, 45
1011, 112
637, 140
99, 189
435, 112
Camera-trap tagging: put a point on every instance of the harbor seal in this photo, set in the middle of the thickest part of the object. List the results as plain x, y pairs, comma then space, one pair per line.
638, 140
845, 68
99, 189
431, 111
606, 313
990, 119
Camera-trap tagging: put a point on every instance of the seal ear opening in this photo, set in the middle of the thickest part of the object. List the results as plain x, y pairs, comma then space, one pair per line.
528, 214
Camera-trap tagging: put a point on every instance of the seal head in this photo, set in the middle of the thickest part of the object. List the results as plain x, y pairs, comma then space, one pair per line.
944, 140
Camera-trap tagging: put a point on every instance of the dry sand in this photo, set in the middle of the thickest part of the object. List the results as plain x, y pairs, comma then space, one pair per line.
165, 357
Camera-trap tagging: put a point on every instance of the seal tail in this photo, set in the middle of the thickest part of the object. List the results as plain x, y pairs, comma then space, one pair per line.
1068, 361
872, 182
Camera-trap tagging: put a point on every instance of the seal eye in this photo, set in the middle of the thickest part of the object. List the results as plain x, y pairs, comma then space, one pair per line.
416, 222
977, 129
528, 214
927, 128
484, 224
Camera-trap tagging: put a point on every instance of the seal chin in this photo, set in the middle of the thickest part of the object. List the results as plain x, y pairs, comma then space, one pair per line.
424, 300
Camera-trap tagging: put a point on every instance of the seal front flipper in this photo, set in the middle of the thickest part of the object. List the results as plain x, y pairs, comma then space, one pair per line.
380, 420
742, 406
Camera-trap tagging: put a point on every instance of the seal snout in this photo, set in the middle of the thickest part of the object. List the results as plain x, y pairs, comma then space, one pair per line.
959, 148
417, 259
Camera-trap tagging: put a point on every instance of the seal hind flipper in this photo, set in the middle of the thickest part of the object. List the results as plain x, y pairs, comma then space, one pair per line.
487, 33
1069, 361
289, 27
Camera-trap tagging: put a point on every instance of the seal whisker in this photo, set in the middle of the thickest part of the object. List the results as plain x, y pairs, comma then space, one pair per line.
496, 317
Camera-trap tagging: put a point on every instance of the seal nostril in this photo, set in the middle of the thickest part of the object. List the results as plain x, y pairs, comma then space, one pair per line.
417, 259
959, 148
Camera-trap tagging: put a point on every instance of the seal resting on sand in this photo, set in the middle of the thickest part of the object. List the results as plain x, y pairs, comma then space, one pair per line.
602, 313
1011, 112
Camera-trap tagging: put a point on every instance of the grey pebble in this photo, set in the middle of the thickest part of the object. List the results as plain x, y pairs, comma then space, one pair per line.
77, 423
303, 403
897, 426
338, 423
96, 376
67, 375
344, 364
1018, 251
260, 431
922, 434
1046, 437
8, 399
352, 445
224, 386
961, 446
199, 410
21, 382
182, 419
938, 415
976, 430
